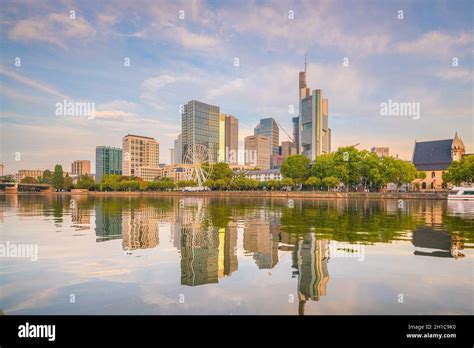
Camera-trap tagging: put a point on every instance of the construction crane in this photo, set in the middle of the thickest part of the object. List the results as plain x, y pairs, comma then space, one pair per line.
284, 130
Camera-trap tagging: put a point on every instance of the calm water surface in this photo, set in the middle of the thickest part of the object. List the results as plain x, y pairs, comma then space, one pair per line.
152, 255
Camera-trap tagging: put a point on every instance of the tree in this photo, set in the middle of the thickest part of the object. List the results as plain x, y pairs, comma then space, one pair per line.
46, 178
296, 167
58, 178
85, 182
68, 183
331, 182
220, 170
460, 171
312, 182
288, 183
397, 171
220, 184
29, 180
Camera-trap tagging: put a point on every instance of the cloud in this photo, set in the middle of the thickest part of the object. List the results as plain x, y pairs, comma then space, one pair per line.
38, 85
456, 73
438, 44
151, 87
56, 28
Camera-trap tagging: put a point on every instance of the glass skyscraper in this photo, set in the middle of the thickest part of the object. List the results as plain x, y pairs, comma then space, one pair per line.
200, 125
269, 128
108, 160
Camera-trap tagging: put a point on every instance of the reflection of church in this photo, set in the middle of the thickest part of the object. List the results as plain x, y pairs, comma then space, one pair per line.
439, 243
310, 259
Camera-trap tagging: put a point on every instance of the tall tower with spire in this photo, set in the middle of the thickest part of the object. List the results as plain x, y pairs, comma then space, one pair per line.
457, 148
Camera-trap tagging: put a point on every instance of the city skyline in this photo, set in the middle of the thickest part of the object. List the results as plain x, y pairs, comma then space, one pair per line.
253, 74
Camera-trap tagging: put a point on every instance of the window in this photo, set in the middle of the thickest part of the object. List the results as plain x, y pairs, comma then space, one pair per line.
433, 175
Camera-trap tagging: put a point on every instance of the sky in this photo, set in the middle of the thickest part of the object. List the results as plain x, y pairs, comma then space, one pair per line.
243, 56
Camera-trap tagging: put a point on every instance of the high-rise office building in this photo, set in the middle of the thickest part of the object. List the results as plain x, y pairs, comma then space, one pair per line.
314, 133
140, 156
178, 150
257, 151
296, 132
269, 128
81, 167
200, 126
108, 160
228, 138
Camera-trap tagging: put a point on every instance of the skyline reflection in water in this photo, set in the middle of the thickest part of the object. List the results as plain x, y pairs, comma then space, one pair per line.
239, 256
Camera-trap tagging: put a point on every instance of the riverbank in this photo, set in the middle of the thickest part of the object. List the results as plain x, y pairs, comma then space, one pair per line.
265, 194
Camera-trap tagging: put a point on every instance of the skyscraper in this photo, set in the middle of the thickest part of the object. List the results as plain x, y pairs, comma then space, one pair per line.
296, 132
314, 133
140, 156
257, 151
230, 139
178, 150
269, 128
108, 160
200, 126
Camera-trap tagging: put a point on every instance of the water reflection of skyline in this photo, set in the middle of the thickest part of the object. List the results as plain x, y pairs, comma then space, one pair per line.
206, 232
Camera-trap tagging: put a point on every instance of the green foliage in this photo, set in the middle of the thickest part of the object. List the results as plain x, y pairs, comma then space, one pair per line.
460, 171
331, 182
287, 182
68, 183
85, 182
397, 171
221, 171
296, 167
312, 182
57, 179
29, 180
7, 178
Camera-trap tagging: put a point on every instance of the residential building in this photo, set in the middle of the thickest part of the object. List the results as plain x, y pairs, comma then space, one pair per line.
257, 151
269, 128
176, 172
32, 173
108, 160
261, 175
434, 158
381, 151
81, 167
314, 134
276, 160
200, 126
140, 156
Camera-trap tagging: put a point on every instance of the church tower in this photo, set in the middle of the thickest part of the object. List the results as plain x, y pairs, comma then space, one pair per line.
457, 148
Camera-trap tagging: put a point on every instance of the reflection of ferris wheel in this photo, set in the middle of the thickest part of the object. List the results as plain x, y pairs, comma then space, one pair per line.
198, 156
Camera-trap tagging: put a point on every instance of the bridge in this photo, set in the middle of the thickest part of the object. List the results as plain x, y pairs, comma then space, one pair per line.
12, 187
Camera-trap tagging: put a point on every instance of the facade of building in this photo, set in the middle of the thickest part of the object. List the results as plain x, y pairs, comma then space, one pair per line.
228, 138
276, 161
176, 172
261, 175
381, 151
178, 150
32, 173
200, 126
1, 170
287, 149
257, 151
269, 128
434, 158
314, 133
81, 167
140, 156
296, 132
108, 160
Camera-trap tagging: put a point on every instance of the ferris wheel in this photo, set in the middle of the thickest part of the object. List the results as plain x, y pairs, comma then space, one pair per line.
198, 156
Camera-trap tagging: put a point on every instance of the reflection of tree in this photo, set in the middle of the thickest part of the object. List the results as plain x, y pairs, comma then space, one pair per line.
350, 221
310, 257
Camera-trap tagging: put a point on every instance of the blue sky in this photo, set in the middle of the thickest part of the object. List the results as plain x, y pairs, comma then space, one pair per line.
175, 60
